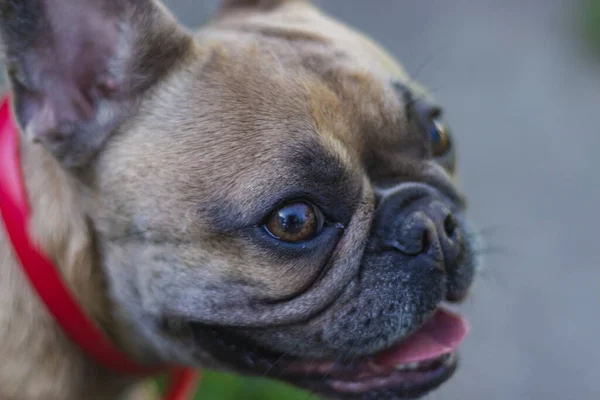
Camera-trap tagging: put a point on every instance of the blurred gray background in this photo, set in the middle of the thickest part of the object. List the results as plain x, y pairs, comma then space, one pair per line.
523, 99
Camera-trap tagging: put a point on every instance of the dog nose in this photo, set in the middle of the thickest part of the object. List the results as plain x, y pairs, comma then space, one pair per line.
431, 230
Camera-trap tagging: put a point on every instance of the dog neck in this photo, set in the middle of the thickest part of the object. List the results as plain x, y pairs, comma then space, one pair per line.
38, 361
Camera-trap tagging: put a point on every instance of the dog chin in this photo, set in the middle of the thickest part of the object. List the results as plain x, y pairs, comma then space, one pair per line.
411, 367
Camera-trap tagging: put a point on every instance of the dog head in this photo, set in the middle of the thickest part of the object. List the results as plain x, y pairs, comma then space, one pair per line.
270, 195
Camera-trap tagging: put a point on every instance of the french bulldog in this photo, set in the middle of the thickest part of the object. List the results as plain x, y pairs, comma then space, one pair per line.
270, 195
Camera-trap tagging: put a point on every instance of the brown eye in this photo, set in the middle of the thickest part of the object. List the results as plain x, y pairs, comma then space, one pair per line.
440, 137
295, 222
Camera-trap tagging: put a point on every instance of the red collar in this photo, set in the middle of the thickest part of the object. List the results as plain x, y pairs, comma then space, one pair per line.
45, 278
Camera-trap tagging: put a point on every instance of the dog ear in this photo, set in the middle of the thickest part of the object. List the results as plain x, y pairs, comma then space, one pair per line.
78, 67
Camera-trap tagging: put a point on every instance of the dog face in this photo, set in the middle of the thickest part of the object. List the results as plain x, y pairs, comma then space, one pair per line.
272, 195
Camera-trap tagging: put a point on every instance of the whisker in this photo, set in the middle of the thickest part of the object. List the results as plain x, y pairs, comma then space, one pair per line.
429, 59
491, 229
337, 359
491, 282
422, 96
493, 250
275, 363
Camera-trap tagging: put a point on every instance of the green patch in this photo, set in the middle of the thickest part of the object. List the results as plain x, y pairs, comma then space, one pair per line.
592, 23
223, 386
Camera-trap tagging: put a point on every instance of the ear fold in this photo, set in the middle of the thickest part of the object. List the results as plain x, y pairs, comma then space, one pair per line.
78, 67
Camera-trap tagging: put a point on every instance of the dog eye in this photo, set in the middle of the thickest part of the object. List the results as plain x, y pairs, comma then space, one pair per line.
439, 136
295, 222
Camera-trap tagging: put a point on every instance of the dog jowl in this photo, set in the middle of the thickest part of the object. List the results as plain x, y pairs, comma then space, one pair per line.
270, 195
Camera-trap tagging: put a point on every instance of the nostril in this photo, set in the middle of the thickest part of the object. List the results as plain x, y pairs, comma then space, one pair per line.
449, 226
425, 241
417, 234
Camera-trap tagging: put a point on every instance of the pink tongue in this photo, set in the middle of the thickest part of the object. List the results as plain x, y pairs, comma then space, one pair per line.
438, 336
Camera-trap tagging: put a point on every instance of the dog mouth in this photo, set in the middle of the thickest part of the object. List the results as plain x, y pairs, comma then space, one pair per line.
411, 367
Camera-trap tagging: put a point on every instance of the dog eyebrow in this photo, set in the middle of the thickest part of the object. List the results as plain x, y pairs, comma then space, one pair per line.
407, 97
314, 174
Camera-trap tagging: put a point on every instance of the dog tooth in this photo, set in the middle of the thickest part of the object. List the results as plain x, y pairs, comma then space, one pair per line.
412, 366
